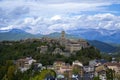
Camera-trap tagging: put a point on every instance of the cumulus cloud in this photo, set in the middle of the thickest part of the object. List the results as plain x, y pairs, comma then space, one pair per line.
54, 7
47, 16
57, 23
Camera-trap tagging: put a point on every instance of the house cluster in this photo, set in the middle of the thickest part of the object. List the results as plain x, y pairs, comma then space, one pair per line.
65, 69
94, 69
70, 45
101, 66
76, 70
25, 63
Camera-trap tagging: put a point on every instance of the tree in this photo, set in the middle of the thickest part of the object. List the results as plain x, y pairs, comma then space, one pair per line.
75, 71
96, 78
3, 70
109, 74
10, 72
43, 74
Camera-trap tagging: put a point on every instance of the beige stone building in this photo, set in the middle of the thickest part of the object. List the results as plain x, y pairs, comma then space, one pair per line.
113, 66
58, 51
63, 68
67, 69
43, 49
57, 65
72, 45
25, 63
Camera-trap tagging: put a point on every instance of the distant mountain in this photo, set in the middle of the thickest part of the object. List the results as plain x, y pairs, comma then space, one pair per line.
58, 35
17, 31
103, 47
16, 34
94, 37
109, 36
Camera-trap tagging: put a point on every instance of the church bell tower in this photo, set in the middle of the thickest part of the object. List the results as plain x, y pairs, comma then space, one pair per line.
63, 35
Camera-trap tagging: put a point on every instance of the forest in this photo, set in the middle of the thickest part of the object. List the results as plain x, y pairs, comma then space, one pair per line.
10, 51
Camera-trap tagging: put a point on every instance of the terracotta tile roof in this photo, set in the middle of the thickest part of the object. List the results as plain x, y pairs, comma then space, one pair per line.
59, 62
112, 64
22, 60
100, 68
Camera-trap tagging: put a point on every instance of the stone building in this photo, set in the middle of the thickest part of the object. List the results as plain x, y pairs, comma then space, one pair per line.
89, 69
77, 63
67, 69
113, 66
63, 68
83, 43
25, 63
78, 66
62, 39
63, 34
57, 65
45, 39
72, 45
43, 49
58, 51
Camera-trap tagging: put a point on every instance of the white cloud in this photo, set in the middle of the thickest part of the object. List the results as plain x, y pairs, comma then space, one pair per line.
47, 16
7, 28
56, 17
58, 23
46, 8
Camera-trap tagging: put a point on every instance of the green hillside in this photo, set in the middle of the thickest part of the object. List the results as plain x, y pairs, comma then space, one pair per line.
103, 47
17, 35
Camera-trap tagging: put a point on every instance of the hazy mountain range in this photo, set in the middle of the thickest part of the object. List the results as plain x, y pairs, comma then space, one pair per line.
95, 37
109, 36
104, 35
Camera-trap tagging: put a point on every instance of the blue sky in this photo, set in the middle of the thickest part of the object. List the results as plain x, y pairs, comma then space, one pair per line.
47, 16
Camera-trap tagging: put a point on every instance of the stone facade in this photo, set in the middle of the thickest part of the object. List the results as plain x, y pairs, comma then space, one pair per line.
89, 69
24, 64
58, 51
72, 45
67, 69
43, 49
113, 66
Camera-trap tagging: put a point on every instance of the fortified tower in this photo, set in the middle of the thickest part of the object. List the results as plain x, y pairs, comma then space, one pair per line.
63, 35
62, 38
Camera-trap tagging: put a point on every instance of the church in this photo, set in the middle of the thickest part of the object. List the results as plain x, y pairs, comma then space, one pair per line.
72, 45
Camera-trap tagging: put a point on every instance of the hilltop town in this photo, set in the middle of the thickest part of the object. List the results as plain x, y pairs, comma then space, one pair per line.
55, 59
69, 46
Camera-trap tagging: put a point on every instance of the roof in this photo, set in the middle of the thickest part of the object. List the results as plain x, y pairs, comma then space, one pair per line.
60, 76
22, 60
25, 59
112, 64
100, 68
44, 46
59, 62
77, 63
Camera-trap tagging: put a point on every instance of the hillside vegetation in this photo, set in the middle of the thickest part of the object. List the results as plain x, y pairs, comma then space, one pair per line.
13, 50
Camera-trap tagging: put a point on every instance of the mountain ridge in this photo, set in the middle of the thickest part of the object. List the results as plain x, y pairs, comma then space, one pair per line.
102, 46
109, 36
17, 34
